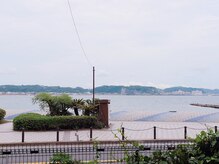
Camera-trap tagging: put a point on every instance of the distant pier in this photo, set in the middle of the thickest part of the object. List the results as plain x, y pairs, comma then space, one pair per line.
206, 105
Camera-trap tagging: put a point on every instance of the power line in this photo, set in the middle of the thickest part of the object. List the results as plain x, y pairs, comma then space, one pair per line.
79, 39
81, 45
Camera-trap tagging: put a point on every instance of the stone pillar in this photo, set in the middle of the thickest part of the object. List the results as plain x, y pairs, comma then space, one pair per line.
104, 112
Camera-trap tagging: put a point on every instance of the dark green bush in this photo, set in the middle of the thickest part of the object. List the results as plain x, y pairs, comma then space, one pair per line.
2, 114
33, 121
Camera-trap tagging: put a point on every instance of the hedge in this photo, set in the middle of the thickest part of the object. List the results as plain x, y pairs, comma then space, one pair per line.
34, 121
2, 114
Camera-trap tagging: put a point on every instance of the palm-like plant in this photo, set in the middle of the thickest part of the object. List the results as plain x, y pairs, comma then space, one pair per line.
53, 105
77, 104
90, 108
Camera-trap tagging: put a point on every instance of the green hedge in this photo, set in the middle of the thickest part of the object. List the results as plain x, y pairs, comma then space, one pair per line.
2, 114
33, 121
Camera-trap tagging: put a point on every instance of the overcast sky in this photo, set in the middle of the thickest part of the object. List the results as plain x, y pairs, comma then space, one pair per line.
130, 42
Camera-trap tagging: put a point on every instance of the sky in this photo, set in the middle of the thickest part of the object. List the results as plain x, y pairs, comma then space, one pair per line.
130, 42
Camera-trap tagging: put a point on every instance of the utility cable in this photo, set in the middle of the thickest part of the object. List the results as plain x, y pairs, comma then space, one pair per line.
79, 39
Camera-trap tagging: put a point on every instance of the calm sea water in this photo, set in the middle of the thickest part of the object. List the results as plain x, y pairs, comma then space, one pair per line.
15, 104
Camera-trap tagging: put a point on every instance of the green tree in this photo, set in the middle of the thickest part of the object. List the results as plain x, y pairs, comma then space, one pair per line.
2, 114
54, 105
63, 103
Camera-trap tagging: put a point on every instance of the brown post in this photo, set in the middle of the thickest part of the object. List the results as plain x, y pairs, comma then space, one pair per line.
104, 112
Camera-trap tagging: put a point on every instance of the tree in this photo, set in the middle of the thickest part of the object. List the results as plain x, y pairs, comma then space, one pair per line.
54, 105
63, 103
77, 104
2, 114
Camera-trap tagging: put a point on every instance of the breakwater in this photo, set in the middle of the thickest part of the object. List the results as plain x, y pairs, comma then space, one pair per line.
206, 105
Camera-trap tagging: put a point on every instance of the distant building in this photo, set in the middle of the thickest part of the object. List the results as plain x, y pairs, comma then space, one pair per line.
123, 91
197, 93
180, 92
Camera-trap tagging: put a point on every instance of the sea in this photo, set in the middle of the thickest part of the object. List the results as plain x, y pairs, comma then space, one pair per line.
16, 104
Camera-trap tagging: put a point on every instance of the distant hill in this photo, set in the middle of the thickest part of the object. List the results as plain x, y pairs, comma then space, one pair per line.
190, 90
109, 89
127, 90
40, 88
185, 89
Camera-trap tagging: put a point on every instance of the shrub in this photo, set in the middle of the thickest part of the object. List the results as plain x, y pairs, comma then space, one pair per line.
203, 150
2, 114
60, 158
33, 121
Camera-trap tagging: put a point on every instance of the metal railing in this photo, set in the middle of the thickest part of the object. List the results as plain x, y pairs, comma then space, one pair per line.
155, 132
100, 151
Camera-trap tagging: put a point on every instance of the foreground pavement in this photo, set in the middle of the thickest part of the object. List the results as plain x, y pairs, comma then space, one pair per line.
134, 130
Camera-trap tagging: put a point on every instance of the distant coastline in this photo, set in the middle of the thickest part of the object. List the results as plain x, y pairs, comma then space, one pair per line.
107, 90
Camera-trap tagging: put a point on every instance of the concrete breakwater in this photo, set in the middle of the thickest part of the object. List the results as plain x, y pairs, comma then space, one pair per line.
206, 105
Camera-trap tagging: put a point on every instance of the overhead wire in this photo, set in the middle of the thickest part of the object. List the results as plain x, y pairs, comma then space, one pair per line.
79, 38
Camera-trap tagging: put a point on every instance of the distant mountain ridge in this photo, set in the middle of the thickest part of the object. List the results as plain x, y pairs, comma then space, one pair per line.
109, 89
127, 90
192, 90
40, 88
